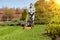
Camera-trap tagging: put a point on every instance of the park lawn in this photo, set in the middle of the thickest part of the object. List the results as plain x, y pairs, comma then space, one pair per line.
18, 33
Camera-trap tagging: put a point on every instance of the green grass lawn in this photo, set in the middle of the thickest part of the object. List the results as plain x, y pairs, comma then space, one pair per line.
18, 33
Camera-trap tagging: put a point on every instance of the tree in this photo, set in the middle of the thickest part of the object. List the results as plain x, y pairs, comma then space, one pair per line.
43, 11
8, 14
53, 28
24, 14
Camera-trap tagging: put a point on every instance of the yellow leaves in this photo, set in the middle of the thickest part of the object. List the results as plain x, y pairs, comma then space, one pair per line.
57, 1
11, 11
47, 0
52, 29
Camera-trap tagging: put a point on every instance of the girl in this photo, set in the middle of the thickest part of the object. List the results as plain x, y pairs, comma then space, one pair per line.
31, 11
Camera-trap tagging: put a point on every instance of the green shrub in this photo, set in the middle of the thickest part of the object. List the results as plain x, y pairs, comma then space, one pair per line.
13, 22
53, 28
24, 14
53, 31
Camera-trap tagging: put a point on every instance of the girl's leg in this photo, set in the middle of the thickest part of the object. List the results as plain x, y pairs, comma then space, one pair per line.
33, 21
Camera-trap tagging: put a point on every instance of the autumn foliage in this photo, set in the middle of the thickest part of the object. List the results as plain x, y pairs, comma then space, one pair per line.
7, 14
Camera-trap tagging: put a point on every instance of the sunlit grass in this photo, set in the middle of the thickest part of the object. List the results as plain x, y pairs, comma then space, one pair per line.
18, 33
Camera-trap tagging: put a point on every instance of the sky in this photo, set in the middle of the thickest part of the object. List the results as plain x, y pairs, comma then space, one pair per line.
16, 3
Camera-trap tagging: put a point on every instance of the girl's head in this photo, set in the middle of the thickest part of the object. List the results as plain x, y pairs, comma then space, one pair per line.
31, 5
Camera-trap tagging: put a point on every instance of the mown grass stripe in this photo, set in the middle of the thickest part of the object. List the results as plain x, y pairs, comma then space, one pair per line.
7, 31
3, 28
16, 33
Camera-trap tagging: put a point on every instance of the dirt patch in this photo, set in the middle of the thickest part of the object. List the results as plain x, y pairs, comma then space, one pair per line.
58, 38
44, 35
